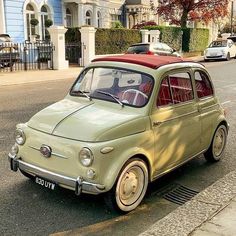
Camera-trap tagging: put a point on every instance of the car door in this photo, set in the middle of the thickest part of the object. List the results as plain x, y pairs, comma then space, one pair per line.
175, 122
207, 105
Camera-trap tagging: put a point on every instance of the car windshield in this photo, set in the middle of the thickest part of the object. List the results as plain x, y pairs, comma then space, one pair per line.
216, 44
138, 49
122, 86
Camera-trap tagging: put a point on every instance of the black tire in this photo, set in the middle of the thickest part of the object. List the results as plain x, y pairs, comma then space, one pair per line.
206, 60
217, 147
228, 57
27, 174
130, 187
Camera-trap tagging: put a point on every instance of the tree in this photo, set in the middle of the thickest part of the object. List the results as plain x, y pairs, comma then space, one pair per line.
180, 11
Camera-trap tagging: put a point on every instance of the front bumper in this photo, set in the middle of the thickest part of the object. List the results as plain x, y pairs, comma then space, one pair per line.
78, 184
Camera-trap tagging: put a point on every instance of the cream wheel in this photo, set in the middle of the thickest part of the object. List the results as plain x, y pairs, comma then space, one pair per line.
131, 185
215, 151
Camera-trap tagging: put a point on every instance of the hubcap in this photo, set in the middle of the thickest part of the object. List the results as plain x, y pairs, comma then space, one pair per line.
219, 142
131, 185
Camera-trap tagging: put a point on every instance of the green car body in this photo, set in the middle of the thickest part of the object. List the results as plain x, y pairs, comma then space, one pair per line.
162, 137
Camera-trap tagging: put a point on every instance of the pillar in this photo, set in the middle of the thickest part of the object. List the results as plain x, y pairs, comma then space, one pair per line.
145, 36
2, 18
57, 34
154, 36
88, 44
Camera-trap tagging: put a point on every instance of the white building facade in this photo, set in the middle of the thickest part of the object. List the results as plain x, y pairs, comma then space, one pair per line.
96, 13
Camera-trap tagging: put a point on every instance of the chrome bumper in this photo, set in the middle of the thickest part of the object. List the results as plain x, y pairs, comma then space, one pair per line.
78, 185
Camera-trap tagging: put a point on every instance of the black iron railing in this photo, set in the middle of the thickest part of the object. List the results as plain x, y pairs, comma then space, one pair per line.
73, 53
26, 56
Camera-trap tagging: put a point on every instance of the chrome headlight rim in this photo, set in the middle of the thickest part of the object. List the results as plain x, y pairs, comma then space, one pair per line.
20, 137
86, 157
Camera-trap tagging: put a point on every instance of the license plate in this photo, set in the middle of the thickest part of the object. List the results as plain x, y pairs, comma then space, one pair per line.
213, 54
45, 183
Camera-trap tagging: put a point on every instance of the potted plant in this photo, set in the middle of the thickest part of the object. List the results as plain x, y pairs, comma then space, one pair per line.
48, 23
34, 22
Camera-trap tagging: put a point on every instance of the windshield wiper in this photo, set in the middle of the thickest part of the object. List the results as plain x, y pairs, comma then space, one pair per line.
111, 95
84, 93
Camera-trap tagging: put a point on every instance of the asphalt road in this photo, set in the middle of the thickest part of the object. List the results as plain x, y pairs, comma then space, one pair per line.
28, 209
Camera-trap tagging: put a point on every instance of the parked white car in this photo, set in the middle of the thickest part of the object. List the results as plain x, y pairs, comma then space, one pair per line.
220, 49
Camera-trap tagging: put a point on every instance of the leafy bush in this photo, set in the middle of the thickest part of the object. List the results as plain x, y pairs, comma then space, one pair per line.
114, 41
144, 24
48, 23
73, 35
117, 25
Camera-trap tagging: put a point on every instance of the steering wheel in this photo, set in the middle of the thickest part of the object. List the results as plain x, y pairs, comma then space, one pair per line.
136, 92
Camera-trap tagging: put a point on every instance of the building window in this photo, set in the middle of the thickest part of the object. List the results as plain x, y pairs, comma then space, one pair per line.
99, 19
44, 17
114, 19
30, 14
88, 18
68, 18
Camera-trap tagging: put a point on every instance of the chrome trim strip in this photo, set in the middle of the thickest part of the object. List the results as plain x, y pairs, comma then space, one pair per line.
205, 108
53, 153
174, 167
177, 117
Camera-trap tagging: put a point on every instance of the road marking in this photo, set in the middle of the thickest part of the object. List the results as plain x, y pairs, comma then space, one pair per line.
223, 103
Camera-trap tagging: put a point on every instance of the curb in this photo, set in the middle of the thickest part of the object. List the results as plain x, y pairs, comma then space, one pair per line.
185, 219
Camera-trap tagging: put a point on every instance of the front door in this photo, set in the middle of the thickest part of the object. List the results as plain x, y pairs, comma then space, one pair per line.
176, 122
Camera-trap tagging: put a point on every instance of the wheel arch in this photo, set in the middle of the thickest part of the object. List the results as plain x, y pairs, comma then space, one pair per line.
115, 172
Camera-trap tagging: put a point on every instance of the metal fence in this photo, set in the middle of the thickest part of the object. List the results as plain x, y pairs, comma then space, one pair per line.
73, 53
26, 56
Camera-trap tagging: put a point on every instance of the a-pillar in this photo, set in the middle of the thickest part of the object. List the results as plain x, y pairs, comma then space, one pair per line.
88, 44
154, 36
57, 34
145, 36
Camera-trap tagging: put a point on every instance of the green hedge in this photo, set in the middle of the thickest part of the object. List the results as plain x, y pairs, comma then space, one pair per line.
114, 41
193, 39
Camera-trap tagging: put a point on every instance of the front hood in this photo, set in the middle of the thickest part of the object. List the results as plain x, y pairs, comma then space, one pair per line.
87, 121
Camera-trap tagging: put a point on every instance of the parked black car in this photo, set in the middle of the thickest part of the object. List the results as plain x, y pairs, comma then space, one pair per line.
9, 53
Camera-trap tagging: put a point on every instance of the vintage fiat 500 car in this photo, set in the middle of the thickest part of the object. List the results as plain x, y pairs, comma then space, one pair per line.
126, 121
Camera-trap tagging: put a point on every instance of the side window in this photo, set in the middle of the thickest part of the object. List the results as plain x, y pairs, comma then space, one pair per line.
203, 84
174, 89
181, 87
164, 97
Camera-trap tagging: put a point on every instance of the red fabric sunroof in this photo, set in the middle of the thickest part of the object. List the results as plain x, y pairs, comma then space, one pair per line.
151, 61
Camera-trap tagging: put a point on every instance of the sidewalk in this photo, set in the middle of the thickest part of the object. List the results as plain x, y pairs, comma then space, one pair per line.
23, 77
211, 213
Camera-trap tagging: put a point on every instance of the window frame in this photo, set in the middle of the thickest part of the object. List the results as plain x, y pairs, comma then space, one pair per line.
209, 79
172, 72
119, 68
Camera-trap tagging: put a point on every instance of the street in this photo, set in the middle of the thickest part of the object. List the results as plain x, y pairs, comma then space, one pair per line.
28, 209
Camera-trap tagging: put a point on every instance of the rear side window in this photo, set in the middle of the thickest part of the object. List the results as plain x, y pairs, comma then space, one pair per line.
203, 84
175, 88
138, 49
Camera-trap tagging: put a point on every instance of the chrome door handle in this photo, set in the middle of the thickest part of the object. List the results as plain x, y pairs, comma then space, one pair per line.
156, 123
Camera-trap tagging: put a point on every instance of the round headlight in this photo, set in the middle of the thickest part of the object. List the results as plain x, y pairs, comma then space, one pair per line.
86, 157
20, 137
